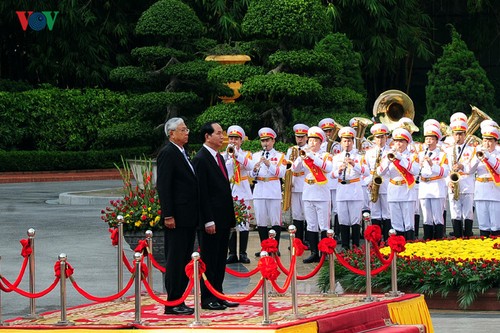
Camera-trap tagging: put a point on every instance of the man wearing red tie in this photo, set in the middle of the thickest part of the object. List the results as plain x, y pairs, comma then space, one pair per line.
217, 213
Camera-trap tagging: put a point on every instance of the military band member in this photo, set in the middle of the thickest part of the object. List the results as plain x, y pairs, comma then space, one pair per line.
401, 169
491, 123
297, 205
270, 166
432, 188
348, 170
316, 194
238, 164
379, 209
328, 126
460, 155
486, 164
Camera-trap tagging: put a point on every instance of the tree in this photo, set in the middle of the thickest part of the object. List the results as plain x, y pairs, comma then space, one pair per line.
457, 81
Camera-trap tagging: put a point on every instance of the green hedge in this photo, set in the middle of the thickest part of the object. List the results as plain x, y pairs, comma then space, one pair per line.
67, 160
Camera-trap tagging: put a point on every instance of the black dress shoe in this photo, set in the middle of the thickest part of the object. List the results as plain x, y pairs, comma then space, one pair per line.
179, 310
213, 306
232, 259
244, 258
229, 304
257, 254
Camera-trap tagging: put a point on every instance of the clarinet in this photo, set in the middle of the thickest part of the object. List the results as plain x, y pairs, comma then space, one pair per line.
260, 164
420, 172
347, 155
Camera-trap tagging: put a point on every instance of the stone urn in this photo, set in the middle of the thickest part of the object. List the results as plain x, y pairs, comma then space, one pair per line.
132, 237
230, 59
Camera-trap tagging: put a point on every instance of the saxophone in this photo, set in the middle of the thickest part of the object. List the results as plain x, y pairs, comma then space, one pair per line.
376, 179
287, 184
455, 177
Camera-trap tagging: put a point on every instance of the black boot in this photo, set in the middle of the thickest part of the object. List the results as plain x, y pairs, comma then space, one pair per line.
416, 224
438, 231
457, 228
323, 234
495, 233
377, 222
428, 232
262, 235
356, 235
243, 247
468, 228
312, 237
484, 233
410, 235
336, 227
345, 235
444, 221
299, 233
277, 228
232, 258
385, 229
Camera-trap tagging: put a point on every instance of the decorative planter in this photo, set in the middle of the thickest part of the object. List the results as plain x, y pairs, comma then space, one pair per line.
133, 237
230, 59
484, 302
138, 167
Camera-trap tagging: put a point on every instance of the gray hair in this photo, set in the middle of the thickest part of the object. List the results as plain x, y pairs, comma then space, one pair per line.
172, 124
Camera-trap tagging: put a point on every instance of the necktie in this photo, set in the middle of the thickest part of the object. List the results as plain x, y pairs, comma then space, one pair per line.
221, 166
459, 150
188, 160
267, 155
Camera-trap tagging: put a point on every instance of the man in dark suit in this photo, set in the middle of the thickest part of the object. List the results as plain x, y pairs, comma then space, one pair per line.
217, 213
177, 186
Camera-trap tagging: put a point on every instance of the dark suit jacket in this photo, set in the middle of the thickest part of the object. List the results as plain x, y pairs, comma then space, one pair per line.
216, 200
177, 187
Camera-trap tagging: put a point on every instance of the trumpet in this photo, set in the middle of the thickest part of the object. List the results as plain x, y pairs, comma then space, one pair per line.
230, 150
391, 155
303, 153
480, 155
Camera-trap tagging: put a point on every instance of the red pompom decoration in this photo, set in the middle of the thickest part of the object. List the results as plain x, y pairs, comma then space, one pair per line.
327, 245
299, 247
190, 269
373, 234
269, 245
27, 250
268, 268
397, 243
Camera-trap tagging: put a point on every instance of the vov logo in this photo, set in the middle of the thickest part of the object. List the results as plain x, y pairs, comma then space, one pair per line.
37, 20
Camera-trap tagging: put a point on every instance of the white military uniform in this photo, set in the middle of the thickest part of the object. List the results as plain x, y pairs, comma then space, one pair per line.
267, 190
379, 210
487, 191
297, 205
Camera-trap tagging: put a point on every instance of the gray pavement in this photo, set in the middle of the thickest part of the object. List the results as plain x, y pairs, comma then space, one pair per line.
75, 228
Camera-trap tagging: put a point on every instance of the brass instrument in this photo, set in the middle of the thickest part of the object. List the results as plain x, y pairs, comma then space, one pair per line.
475, 120
360, 127
455, 177
391, 156
480, 155
376, 179
392, 105
287, 183
230, 150
331, 139
303, 153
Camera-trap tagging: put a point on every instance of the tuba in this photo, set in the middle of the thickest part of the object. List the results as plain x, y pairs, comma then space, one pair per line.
360, 126
392, 105
331, 139
287, 184
475, 119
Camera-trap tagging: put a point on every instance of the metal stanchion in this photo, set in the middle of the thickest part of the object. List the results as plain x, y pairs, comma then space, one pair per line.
394, 273
62, 283
293, 285
197, 308
265, 297
137, 282
2, 323
331, 265
120, 220
149, 239
31, 263
368, 268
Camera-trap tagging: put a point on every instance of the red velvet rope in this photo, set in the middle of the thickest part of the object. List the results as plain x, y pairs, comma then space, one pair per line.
57, 269
281, 267
19, 277
268, 268
114, 236
359, 271
299, 247
379, 255
142, 247
156, 264
229, 298
102, 299
242, 275
28, 294
314, 271
26, 250
169, 303
126, 262
373, 234
283, 289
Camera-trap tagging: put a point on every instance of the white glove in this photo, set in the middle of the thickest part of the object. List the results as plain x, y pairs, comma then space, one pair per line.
398, 156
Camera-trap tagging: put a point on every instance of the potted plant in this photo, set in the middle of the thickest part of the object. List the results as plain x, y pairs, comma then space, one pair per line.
140, 208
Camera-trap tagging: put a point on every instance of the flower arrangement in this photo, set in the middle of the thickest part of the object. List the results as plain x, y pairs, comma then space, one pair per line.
467, 266
241, 211
140, 206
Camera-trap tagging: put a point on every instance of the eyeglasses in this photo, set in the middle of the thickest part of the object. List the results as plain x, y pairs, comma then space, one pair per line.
185, 130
